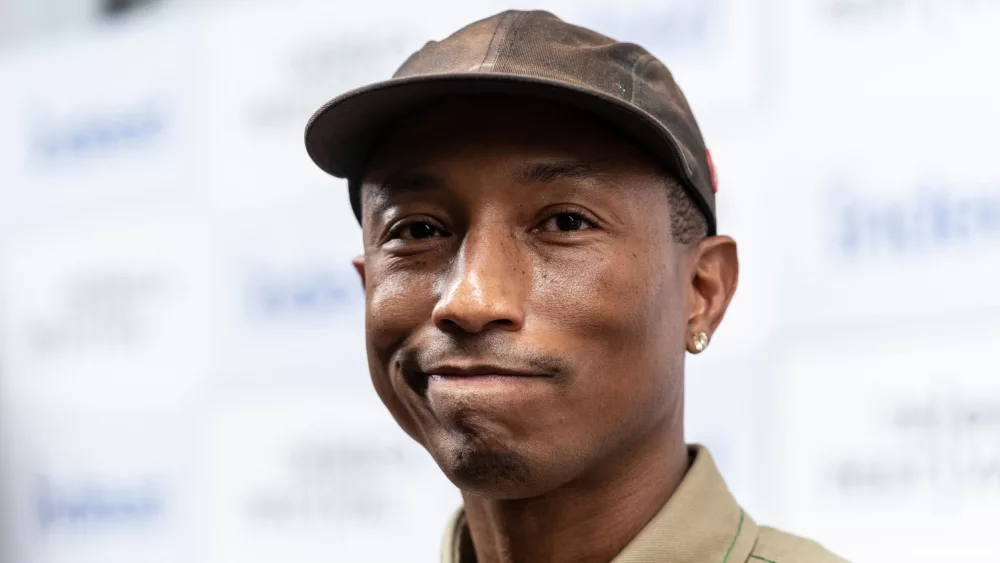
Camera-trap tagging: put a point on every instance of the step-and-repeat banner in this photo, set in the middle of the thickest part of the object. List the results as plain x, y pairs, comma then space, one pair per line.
182, 370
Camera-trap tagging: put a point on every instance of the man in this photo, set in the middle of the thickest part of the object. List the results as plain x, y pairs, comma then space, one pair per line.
540, 250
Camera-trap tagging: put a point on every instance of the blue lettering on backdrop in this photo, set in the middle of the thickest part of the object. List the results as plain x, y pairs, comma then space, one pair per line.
98, 134
927, 219
310, 293
95, 504
675, 24
929, 10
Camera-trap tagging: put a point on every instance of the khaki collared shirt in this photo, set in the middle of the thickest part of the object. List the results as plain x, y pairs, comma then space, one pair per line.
701, 523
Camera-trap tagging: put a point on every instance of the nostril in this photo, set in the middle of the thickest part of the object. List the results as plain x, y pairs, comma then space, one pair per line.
474, 325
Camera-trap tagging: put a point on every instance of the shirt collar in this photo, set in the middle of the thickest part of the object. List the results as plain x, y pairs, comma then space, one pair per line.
700, 523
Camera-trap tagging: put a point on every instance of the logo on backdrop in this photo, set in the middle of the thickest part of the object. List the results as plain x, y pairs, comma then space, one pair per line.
74, 505
929, 218
674, 26
929, 11
329, 481
310, 72
940, 446
316, 292
59, 140
96, 311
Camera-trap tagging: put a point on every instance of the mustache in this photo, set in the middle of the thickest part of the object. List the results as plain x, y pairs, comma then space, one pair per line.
489, 350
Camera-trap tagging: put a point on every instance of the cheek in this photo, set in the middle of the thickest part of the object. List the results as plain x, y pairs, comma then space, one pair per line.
620, 318
621, 297
397, 303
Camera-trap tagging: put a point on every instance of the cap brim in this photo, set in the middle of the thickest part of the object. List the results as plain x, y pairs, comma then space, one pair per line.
342, 133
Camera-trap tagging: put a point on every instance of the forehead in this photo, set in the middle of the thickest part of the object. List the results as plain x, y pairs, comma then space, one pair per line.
501, 131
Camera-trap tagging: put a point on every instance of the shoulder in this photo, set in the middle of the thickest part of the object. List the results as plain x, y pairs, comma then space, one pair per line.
775, 546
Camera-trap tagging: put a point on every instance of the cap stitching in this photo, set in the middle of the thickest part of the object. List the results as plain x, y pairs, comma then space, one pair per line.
643, 60
646, 59
505, 24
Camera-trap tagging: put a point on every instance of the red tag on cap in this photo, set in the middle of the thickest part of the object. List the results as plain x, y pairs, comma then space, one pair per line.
711, 171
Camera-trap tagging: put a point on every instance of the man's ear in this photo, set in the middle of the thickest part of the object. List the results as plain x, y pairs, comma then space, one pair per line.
359, 267
714, 270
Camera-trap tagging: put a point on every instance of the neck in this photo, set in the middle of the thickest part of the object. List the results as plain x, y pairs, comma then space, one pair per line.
590, 519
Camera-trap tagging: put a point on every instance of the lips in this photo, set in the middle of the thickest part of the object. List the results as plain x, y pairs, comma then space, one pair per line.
479, 370
420, 377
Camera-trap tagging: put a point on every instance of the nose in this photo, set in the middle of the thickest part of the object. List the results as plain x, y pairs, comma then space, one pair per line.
485, 288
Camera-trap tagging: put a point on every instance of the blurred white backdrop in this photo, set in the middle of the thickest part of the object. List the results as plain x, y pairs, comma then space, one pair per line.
182, 373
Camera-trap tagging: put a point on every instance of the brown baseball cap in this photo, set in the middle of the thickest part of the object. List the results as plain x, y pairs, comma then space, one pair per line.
531, 54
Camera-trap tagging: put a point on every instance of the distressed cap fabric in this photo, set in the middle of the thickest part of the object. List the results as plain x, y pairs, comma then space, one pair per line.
532, 54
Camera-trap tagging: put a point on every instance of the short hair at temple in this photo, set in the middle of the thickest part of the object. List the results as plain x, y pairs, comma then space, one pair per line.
687, 223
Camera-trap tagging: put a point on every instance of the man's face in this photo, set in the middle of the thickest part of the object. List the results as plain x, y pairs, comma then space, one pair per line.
527, 310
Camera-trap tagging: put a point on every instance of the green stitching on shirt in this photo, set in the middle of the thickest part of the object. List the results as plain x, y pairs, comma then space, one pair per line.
739, 527
761, 558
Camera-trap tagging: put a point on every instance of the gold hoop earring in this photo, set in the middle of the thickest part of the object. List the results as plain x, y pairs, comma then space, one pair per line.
700, 341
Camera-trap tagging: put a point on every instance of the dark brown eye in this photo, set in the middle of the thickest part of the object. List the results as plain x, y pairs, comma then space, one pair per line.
566, 222
419, 230
569, 222
416, 228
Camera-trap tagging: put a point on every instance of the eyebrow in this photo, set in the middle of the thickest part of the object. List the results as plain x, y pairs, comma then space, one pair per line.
549, 171
407, 180
538, 172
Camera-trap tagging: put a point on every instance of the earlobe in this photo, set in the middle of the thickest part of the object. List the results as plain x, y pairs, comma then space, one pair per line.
359, 267
714, 275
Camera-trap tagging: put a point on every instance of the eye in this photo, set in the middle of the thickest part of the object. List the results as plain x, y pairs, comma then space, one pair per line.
566, 222
416, 230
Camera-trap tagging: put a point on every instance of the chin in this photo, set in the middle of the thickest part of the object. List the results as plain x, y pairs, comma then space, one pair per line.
493, 472
484, 453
